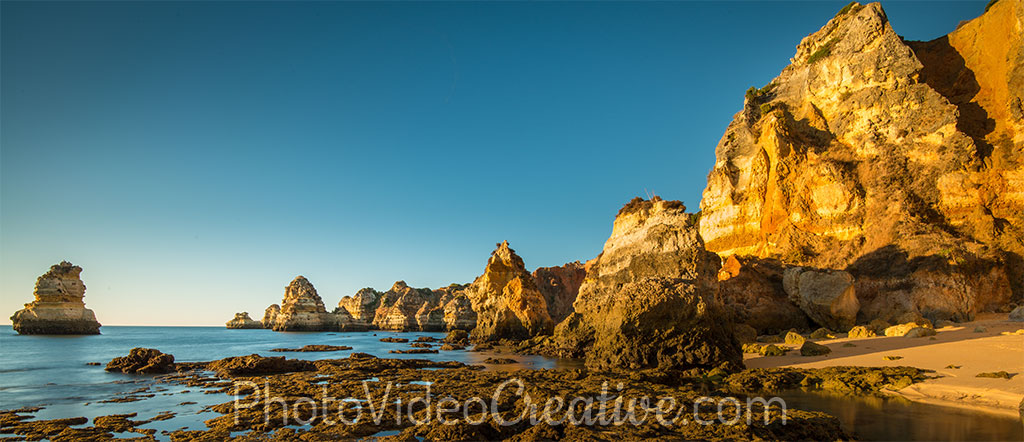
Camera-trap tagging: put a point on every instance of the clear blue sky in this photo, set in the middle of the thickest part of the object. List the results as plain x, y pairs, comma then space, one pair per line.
195, 157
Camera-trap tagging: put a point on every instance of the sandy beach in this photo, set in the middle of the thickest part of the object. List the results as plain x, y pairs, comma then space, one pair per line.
973, 352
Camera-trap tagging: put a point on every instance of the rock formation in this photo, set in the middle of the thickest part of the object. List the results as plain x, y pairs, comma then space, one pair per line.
58, 308
362, 306
506, 300
560, 285
649, 299
403, 308
303, 310
242, 320
751, 290
897, 162
143, 360
826, 296
457, 308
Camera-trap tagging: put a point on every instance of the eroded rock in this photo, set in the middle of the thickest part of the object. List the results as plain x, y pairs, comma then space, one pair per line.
58, 308
242, 320
143, 360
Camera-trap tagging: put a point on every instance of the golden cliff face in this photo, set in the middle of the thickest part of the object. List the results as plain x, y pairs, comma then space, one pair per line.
869, 153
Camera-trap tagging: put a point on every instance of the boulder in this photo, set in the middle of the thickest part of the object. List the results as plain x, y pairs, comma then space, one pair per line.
861, 331
903, 329
143, 360
59, 306
809, 348
242, 320
919, 332
649, 299
745, 334
255, 364
506, 300
794, 338
827, 296
823, 333
1017, 314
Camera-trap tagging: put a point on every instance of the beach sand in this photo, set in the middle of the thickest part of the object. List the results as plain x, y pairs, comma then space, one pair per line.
960, 345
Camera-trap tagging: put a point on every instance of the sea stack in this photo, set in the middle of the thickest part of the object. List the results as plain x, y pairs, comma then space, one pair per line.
507, 301
242, 320
59, 308
303, 310
648, 301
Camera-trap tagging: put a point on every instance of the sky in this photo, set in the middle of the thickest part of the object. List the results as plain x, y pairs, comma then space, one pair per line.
194, 157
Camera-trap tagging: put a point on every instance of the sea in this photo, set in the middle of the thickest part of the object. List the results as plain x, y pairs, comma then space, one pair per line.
52, 372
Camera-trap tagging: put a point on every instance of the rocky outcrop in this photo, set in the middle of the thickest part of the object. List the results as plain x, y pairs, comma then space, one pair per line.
649, 299
404, 308
242, 320
506, 300
855, 157
143, 360
560, 285
362, 306
303, 310
255, 364
457, 308
58, 308
827, 296
751, 290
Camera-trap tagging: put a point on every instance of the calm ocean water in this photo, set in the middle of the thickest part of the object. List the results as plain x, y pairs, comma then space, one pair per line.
51, 371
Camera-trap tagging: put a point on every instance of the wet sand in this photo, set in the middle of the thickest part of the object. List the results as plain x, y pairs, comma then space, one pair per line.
974, 353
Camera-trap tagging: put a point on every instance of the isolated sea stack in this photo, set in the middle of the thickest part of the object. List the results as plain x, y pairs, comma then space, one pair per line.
648, 301
242, 320
59, 308
506, 300
900, 163
303, 310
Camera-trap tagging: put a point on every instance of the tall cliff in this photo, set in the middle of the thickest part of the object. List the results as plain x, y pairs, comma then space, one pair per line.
302, 310
59, 306
899, 162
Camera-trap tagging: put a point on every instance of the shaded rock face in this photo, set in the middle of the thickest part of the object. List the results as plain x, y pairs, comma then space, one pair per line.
751, 290
560, 285
506, 300
242, 320
649, 299
303, 310
143, 360
58, 307
851, 159
827, 296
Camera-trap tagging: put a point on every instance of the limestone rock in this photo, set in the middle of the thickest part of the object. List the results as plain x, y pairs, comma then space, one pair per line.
303, 310
270, 315
823, 333
861, 331
827, 296
903, 329
401, 308
58, 308
143, 360
898, 162
560, 285
919, 332
649, 298
255, 364
1017, 314
794, 338
751, 289
458, 310
362, 306
242, 320
506, 300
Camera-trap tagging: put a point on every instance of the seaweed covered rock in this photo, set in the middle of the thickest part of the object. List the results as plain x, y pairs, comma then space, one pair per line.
143, 360
255, 364
648, 300
58, 308
506, 300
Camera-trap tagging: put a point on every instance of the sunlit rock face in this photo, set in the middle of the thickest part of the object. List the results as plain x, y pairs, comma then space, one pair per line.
303, 310
506, 300
59, 306
649, 299
242, 320
869, 154
404, 308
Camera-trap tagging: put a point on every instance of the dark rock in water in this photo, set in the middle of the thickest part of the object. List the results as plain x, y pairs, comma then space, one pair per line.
500, 361
314, 348
255, 364
413, 351
811, 349
450, 347
358, 355
421, 345
391, 339
425, 339
143, 360
648, 300
457, 337
58, 308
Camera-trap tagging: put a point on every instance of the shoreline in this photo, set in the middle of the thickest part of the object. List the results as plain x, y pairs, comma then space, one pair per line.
957, 346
